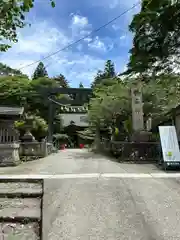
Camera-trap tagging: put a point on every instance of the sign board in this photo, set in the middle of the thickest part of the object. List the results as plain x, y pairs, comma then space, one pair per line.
169, 144
78, 119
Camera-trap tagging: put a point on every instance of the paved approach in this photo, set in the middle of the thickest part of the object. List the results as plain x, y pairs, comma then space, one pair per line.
95, 198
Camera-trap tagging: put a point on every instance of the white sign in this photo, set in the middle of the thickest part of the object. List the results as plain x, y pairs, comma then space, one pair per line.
78, 119
169, 143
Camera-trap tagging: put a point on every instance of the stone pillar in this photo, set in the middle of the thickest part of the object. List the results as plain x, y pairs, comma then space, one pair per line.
139, 132
9, 154
137, 108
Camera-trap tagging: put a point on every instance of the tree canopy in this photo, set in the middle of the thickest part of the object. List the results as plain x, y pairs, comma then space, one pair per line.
156, 40
40, 71
6, 70
81, 85
107, 73
61, 81
12, 17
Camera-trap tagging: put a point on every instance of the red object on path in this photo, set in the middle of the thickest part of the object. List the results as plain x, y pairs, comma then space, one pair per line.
62, 147
81, 145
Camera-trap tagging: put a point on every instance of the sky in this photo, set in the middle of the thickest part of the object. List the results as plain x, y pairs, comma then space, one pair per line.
54, 28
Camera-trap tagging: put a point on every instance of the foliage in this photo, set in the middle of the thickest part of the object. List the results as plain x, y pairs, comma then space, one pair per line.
40, 71
110, 97
108, 73
13, 90
156, 37
109, 70
38, 128
111, 104
20, 91
81, 85
61, 81
6, 70
12, 17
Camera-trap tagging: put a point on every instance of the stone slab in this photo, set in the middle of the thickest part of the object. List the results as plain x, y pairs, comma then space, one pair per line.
17, 188
18, 231
29, 208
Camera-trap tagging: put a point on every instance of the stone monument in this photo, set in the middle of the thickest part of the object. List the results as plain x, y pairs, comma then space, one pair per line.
139, 132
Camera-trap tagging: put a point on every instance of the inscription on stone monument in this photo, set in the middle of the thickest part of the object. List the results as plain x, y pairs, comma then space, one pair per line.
137, 108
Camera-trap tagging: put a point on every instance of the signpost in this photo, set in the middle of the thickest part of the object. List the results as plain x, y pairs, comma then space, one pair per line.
170, 146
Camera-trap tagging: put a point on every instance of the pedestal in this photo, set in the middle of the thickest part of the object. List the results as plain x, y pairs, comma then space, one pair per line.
9, 155
141, 136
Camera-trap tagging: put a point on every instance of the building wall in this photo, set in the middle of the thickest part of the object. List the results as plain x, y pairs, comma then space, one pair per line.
79, 119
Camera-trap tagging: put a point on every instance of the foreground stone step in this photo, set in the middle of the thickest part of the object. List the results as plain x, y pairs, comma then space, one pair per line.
19, 231
20, 189
21, 209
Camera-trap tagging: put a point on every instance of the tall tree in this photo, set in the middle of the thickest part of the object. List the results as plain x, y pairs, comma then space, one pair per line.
81, 85
102, 76
109, 70
98, 78
156, 40
40, 71
12, 17
62, 81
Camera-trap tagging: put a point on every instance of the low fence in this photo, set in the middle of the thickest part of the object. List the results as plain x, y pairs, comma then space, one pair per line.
133, 151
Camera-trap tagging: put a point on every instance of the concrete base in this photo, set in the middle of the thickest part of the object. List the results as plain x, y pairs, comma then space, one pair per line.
9, 155
142, 136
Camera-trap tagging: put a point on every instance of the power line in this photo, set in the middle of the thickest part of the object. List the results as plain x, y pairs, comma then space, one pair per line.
79, 40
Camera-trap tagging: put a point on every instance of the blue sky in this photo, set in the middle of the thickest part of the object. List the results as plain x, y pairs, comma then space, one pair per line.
53, 28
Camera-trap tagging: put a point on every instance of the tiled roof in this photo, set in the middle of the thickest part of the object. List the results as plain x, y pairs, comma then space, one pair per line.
11, 110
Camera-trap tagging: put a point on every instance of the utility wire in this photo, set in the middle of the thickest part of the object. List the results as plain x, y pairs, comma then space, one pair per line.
79, 40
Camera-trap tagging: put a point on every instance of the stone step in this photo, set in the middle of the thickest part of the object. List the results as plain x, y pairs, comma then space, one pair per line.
20, 189
20, 209
19, 231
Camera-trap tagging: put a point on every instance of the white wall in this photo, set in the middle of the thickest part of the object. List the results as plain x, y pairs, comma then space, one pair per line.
79, 119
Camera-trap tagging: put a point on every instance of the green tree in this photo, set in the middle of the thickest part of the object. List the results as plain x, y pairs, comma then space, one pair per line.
40, 71
12, 17
6, 70
81, 85
62, 81
14, 90
156, 40
98, 78
109, 71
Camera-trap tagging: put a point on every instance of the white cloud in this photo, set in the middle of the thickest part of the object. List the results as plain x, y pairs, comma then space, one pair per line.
41, 40
88, 39
80, 26
34, 43
97, 44
122, 37
79, 21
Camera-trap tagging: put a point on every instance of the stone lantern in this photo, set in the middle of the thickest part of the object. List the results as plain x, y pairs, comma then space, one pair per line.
28, 137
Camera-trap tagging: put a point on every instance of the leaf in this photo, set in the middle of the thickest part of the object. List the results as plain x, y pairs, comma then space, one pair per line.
53, 4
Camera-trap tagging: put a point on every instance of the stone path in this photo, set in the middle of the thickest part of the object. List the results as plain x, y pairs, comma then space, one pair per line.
92, 197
